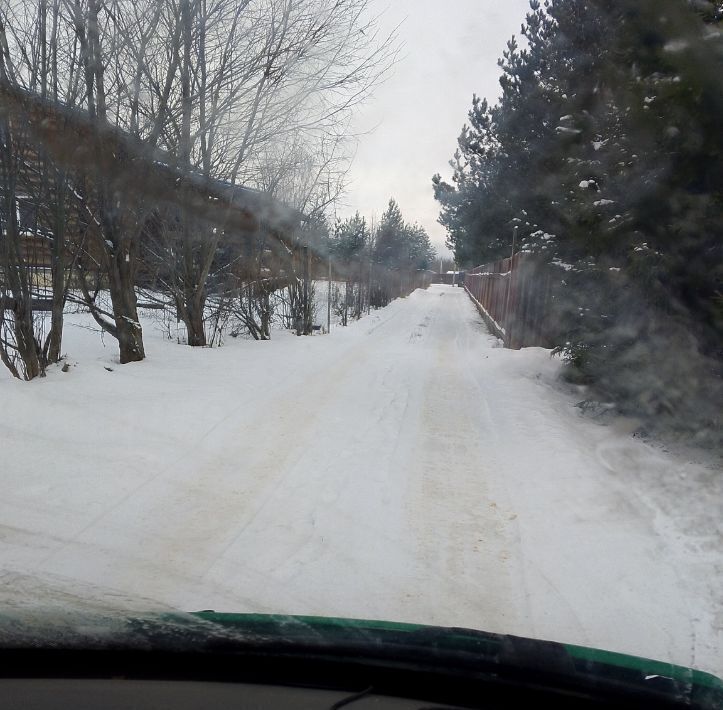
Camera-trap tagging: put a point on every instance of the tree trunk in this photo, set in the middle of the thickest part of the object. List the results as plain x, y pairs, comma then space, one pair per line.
345, 311
193, 320
125, 311
12, 262
265, 316
120, 258
55, 337
25, 341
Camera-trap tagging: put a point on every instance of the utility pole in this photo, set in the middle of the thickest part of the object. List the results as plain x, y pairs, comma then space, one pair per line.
307, 310
369, 302
328, 301
507, 324
372, 240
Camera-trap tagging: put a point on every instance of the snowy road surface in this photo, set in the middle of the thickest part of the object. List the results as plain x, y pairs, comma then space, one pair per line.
405, 468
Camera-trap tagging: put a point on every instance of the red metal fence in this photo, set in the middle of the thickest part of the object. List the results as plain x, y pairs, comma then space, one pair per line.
514, 297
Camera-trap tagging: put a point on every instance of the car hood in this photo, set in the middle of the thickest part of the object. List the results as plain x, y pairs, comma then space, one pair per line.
398, 658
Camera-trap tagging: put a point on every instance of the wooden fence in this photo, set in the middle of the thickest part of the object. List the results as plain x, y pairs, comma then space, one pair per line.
514, 296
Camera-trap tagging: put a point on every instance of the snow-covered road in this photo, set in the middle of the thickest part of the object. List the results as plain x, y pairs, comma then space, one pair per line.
405, 468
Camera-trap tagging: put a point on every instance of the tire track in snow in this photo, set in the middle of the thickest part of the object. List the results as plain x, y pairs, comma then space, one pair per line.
462, 541
469, 353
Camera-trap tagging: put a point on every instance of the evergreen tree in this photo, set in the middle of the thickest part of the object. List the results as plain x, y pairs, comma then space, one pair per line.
402, 245
390, 245
421, 253
605, 151
350, 237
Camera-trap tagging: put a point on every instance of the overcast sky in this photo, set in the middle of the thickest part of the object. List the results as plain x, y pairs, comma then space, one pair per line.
450, 51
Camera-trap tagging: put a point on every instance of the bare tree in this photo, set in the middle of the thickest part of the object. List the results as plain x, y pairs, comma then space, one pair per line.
36, 255
262, 86
247, 93
58, 49
20, 349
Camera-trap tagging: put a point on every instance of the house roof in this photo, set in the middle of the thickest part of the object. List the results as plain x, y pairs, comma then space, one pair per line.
74, 140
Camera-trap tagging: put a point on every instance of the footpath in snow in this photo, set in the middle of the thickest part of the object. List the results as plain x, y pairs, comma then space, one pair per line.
405, 468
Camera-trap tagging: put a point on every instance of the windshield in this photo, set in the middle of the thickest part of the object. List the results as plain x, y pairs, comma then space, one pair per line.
402, 311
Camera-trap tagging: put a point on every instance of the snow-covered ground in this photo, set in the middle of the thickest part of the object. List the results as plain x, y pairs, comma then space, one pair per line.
404, 468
